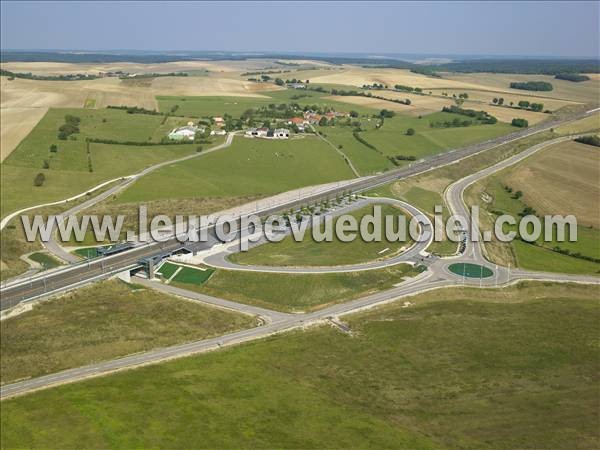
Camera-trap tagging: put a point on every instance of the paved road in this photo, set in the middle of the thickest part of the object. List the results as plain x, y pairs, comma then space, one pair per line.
59, 280
283, 322
411, 255
124, 181
437, 276
454, 193
54, 247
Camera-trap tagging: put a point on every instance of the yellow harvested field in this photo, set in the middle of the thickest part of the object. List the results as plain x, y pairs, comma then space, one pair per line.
591, 123
16, 124
19, 95
562, 179
488, 97
223, 67
425, 104
421, 104
508, 114
356, 76
593, 76
209, 86
56, 68
584, 92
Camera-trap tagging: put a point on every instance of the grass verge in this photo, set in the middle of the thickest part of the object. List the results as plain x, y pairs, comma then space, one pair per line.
101, 322
462, 368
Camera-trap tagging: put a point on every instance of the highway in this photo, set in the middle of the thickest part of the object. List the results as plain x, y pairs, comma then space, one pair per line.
436, 276
57, 281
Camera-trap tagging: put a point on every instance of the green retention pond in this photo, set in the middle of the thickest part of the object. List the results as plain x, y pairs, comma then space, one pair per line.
470, 270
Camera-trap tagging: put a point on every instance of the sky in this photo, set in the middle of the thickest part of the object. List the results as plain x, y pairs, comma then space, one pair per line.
460, 28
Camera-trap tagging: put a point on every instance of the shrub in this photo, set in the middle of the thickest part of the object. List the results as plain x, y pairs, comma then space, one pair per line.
39, 179
575, 77
589, 140
521, 123
532, 85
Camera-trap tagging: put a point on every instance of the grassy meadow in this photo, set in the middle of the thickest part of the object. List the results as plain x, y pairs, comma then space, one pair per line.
47, 261
67, 171
104, 321
298, 292
308, 252
219, 105
248, 167
439, 374
391, 140
561, 179
185, 274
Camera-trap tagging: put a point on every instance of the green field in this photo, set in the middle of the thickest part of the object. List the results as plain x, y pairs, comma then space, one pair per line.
533, 257
187, 275
235, 106
248, 167
391, 138
366, 160
308, 252
168, 269
425, 200
299, 292
470, 270
512, 368
88, 252
68, 173
47, 261
540, 256
101, 322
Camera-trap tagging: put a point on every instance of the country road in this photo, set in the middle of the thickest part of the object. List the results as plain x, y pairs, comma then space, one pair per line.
436, 276
124, 182
59, 280
410, 255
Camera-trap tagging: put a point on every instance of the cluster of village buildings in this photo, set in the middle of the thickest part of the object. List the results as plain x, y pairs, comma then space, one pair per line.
308, 118
189, 131
264, 132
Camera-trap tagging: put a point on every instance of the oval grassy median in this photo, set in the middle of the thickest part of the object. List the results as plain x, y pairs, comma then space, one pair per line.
470, 270
308, 252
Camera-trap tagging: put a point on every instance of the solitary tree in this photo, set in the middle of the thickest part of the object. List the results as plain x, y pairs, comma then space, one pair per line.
39, 179
410, 132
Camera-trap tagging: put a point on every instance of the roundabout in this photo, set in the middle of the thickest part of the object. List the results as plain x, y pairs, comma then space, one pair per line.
470, 270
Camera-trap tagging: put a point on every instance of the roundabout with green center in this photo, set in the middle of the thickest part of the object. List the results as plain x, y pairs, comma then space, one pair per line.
470, 270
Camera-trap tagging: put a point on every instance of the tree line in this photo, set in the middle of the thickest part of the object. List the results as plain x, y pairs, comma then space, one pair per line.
482, 116
71, 126
532, 85
589, 140
575, 77
30, 76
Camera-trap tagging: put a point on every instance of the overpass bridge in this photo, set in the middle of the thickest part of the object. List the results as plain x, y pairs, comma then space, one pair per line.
76, 275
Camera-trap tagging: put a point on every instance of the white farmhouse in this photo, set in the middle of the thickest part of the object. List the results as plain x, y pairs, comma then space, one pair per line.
188, 132
281, 133
257, 132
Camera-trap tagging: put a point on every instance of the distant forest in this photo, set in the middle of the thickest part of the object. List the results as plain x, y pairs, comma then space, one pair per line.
524, 66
